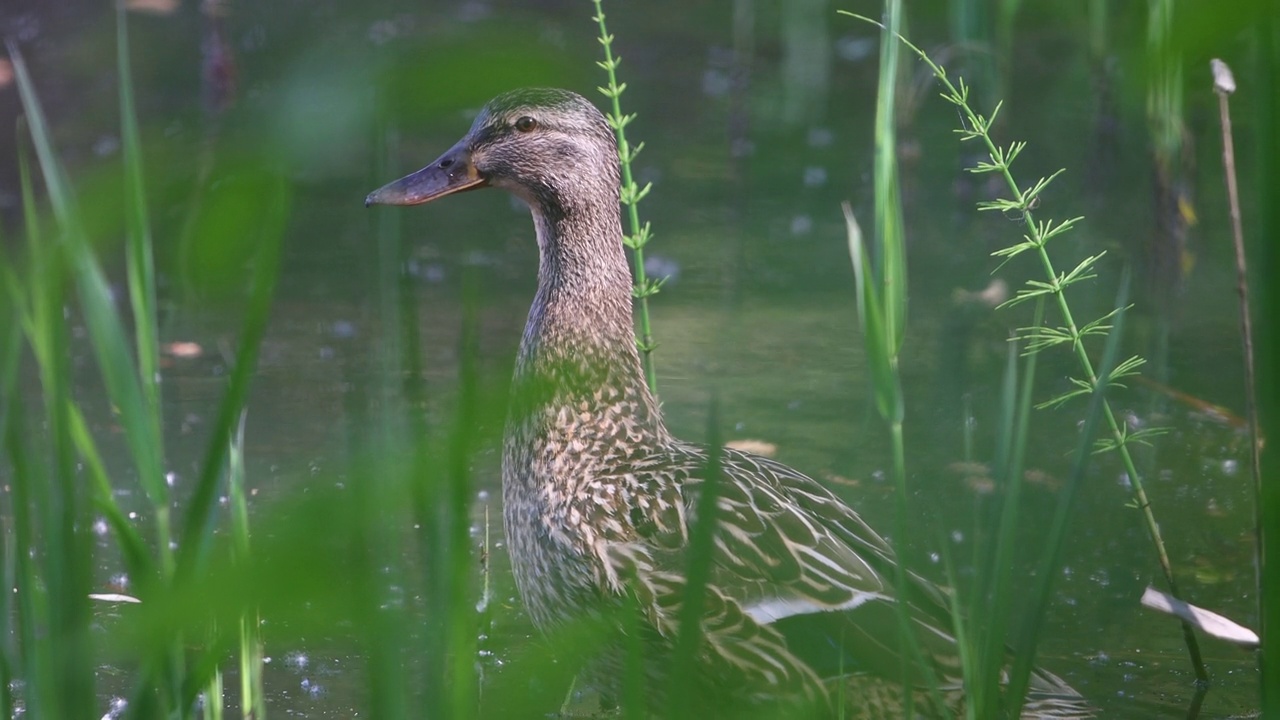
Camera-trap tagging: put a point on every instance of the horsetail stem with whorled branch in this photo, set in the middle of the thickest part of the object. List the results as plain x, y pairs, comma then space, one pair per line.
631, 195
1040, 337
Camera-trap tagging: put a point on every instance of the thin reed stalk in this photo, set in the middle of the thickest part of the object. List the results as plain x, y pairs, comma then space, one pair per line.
631, 195
1223, 85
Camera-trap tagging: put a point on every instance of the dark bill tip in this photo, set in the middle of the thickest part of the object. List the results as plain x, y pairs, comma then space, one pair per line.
453, 172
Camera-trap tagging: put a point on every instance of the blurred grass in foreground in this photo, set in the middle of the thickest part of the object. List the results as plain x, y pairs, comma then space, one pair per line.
391, 561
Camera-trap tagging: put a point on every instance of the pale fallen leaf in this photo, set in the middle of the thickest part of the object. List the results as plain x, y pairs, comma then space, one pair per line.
182, 349
152, 7
1208, 622
114, 597
758, 447
842, 480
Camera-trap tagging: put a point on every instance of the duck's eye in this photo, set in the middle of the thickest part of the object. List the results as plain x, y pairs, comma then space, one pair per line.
526, 123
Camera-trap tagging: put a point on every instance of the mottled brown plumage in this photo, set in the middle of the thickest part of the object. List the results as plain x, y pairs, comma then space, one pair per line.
600, 499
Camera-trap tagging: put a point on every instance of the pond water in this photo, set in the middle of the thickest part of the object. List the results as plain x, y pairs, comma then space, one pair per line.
757, 121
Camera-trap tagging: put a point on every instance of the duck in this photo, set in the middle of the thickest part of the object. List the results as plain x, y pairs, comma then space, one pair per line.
601, 503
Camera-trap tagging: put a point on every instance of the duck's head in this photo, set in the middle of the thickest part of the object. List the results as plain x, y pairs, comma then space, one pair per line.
551, 148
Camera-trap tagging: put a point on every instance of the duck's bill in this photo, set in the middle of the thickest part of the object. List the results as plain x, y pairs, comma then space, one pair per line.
452, 173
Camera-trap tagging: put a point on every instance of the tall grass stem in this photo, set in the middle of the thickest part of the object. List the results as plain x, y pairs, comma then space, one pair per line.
1223, 85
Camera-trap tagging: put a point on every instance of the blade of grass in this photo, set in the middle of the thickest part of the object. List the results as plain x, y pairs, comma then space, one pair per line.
702, 537
1002, 589
106, 332
36, 662
63, 564
142, 289
1051, 559
890, 232
982, 691
198, 520
461, 605
252, 692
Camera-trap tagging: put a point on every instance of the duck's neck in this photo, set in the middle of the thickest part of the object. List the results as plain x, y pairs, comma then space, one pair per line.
579, 342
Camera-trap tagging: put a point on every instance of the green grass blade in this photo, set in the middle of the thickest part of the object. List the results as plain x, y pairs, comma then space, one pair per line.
106, 332
1051, 559
142, 284
35, 663
702, 536
1002, 590
461, 606
198, 520
880, 355
890, 237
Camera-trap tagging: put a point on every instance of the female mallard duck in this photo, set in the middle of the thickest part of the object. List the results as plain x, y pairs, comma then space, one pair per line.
600, 498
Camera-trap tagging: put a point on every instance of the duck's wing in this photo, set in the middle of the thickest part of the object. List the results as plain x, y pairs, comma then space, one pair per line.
798, 581
795, 559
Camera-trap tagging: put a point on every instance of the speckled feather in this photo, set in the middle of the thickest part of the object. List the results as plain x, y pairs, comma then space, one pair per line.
600, 498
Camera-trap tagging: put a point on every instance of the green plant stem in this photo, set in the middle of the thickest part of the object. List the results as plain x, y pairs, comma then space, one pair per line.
903, 612
142, 284
1118, 432
1020, 672
977, 126
631, 195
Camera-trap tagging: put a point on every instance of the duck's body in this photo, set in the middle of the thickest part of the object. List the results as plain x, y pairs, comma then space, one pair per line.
599, 499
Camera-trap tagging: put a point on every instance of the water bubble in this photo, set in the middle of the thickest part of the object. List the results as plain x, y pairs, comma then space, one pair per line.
663, 267
820, 137
855, 49
801, 225
297, 660
106, 145
815, 176
344, 329
716, 83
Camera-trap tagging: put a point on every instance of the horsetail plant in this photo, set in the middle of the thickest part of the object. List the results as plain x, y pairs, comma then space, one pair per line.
1021, 206
631, 195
